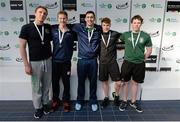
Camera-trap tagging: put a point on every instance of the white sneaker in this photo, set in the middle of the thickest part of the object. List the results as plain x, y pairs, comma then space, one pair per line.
78, 106
94, 107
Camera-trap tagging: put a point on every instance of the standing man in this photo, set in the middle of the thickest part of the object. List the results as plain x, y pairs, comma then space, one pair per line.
88, 35
138, 47
39, 66
107, 61
62, 54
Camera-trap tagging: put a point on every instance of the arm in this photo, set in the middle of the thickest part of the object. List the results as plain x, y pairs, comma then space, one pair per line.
148, 52
23, 53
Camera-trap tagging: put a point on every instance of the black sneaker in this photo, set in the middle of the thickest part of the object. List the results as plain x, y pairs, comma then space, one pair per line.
38, 113
123, 106
116, 99
46, 109
105, 102
136, 106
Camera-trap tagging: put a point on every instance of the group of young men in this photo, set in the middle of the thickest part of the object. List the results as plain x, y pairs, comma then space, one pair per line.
95, 42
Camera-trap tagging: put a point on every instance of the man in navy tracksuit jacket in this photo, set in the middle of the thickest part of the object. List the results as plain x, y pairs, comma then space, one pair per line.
88, 45
63, 38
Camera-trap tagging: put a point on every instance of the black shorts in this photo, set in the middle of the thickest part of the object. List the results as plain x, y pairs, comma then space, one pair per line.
131, 70
109, 69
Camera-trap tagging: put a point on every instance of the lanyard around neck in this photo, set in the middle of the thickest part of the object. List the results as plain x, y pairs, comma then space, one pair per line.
107, 40
137, 39
41, 35
61, 36
90, 34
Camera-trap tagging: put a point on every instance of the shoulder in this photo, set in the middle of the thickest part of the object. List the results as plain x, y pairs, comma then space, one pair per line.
145, 34
47, 25
54, 26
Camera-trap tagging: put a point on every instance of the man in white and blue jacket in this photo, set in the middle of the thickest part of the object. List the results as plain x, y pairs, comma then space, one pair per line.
88, 35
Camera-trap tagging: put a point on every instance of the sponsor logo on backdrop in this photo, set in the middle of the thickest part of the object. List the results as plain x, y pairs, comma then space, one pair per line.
120, 59
122, 6
51, 6
69, 5
33, 5
4, 33
48, 6
19, 60
72, 20
17, 19
151, 69
170, 33
5, 58
173, 6
178, 61
165, 69
155, 20
121, 20
86, 5
5, 47
151, 59
51, 19
172, 20
31, 18
139, 6
106, 6
168, 48
16, 4
2, 19
154, 34
16, 32
2, 4
156, 5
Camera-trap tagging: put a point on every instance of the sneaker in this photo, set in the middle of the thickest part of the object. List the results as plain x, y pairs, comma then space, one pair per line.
55, 105
78, 107
116, 99
94, 107
136, 106
66, 106
38, 113
123, 106
46, 109
105, 102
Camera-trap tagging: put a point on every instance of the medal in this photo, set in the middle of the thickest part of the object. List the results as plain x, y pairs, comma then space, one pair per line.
107, 40
41, 35
137, 39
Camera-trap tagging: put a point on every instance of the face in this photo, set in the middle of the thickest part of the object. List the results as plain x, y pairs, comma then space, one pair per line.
105, 27
62, 19
136, 25
40, 15
89, 19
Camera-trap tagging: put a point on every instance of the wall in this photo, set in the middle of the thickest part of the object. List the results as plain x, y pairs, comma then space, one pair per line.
162, 76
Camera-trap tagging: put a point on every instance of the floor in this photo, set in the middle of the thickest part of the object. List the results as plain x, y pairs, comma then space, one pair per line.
152, 111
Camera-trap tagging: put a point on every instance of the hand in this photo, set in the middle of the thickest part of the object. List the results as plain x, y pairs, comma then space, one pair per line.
28, 70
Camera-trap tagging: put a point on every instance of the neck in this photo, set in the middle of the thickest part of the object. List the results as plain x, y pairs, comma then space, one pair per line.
39, 22
63, 27
135, 31
90, 26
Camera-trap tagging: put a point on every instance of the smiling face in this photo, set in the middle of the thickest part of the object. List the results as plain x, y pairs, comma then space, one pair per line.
62, 19
90, 18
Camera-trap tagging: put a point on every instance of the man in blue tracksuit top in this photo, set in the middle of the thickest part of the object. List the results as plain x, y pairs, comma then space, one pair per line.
88, 45
63, 38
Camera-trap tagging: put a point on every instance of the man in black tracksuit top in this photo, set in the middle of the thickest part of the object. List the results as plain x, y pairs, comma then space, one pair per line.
107, 62
62, 53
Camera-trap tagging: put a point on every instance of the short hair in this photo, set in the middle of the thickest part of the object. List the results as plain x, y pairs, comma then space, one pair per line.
137, 17
63, 12
106, 20
43, 7
90, 12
